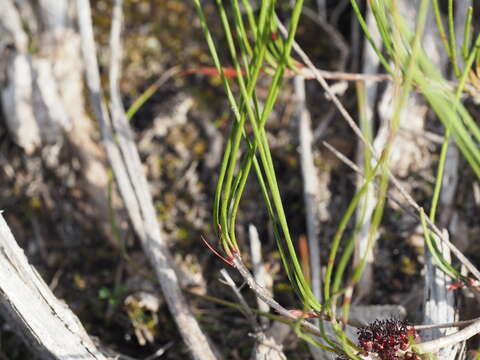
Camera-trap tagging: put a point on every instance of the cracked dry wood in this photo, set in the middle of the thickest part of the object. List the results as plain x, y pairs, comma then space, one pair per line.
45, 323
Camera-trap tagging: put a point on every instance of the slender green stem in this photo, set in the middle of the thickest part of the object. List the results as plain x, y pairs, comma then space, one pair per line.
440, 171
338, 235
467, 34
441, 29
436, 254
240, 27
369, 37
453, 39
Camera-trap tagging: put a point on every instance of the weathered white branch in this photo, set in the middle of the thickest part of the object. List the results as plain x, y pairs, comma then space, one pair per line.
133, 185
29, 306
440, 303
369, 200
265, 346
311, 197
259, 272
310, 186
462, 335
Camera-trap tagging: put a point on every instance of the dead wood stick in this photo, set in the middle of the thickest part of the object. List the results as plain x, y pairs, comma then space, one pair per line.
265, 346
369, 200
45, 323
311, 197
266, 297
259, 273
449, 340
311, 186
125, 160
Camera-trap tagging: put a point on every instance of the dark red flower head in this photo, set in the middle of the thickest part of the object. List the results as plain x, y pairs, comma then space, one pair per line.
385, 337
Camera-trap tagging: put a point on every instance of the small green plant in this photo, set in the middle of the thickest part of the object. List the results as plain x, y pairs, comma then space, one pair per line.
250, 52
112, 297
399, 41
254, 46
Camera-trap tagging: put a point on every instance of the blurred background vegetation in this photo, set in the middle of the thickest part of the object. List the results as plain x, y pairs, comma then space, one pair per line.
180, 131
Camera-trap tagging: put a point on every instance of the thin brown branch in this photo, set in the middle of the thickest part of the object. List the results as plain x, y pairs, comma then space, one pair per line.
244, 306
343, 158
265, 296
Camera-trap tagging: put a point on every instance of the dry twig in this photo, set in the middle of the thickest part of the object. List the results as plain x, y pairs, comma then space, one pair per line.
449, 340
126, 164
265, 296
310, 187
29, 306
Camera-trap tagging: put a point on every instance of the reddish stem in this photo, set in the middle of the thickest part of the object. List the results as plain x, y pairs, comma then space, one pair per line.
229, 261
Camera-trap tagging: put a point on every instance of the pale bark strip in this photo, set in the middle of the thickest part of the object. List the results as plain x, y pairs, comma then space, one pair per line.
42, 96
311, 197
12, 26
15, 65
455, 338
311, 186
259, 272
28, 305
17, 103
132, 182
322, 8
63, 99
268, 344
265, 347
440, 303
32, 106
54, 15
